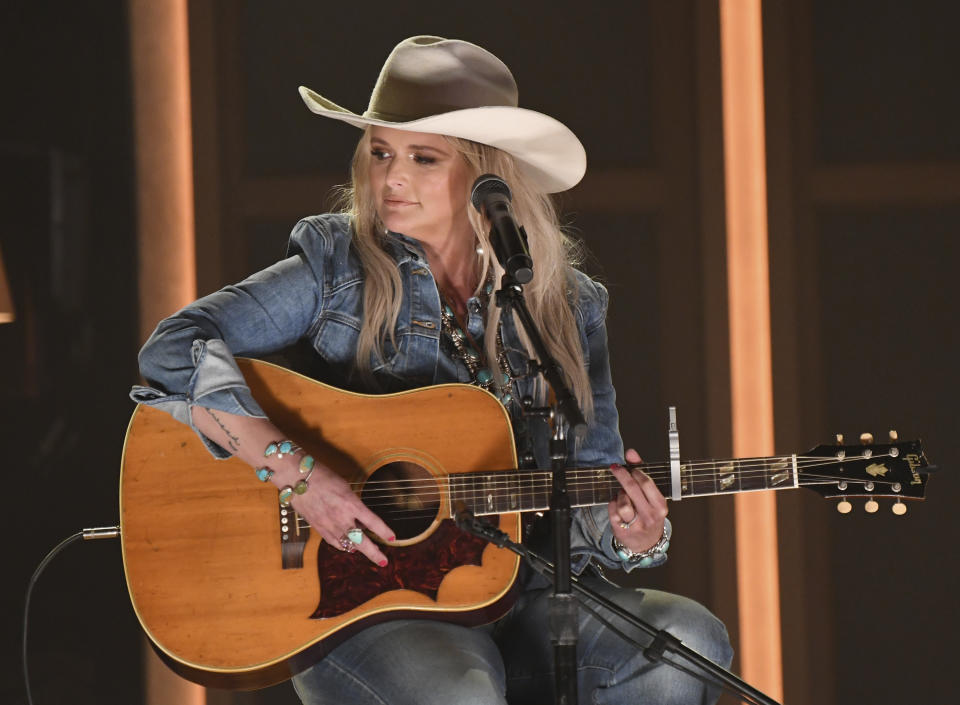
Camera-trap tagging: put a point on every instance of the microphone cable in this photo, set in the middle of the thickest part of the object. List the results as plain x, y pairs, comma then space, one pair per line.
103, 532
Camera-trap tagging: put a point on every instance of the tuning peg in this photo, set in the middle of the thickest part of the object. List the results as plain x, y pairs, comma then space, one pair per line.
899, 508
894, 435
844, 507
871, 506
839, 439
866, 439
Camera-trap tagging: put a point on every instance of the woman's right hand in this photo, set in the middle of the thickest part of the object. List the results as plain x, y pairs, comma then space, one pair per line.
328, 505
332, 509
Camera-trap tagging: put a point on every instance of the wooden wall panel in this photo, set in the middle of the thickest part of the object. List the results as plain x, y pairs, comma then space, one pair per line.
863, 222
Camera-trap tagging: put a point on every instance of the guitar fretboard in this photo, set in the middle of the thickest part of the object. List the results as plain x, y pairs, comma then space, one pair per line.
526, 491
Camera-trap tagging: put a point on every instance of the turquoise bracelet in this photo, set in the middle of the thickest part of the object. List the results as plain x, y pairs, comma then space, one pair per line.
280, 449
286, 494
263, 474
306, 464
644, 558
301, 487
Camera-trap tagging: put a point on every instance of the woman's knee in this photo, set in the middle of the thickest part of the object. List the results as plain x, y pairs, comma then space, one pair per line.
415, 662
690, 622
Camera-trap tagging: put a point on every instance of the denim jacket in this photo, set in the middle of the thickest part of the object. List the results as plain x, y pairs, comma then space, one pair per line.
316, 294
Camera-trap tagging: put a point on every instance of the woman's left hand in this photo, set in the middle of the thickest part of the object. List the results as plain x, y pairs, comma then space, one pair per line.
638, 512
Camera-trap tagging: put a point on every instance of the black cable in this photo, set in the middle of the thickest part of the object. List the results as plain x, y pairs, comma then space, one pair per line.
98, 533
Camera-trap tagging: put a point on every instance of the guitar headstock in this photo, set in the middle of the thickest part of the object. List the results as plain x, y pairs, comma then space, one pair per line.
897, 469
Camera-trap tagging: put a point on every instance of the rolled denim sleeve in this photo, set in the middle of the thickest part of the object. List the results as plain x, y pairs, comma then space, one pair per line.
189, 358
591, 535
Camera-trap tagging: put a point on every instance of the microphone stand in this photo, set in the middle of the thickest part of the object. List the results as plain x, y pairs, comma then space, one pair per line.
564, 625
662, 643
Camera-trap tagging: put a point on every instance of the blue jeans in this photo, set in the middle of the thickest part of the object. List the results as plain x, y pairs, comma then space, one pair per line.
421, 662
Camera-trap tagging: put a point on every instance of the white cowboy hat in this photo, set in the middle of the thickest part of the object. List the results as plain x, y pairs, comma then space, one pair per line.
451, 87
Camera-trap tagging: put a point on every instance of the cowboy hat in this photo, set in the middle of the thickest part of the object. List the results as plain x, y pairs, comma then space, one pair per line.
451, 87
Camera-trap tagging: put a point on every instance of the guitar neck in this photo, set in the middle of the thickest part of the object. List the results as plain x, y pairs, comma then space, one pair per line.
526, 491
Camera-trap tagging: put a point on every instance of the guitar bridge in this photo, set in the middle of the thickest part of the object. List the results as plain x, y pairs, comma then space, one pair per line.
293, 538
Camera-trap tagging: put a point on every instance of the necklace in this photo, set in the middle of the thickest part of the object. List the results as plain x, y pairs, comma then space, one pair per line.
468, 352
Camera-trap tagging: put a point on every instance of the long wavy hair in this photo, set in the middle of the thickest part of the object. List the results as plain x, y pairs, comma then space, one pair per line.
550, 294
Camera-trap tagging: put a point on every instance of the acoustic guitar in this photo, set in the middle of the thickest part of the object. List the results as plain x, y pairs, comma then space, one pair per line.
234, 593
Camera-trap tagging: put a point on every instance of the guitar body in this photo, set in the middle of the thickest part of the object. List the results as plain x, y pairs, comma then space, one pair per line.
203, 546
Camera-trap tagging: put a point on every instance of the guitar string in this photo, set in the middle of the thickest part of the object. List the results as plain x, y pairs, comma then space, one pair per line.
541, 487
431, 508
751, 466
747, 470
539, 482
780, 463
433, 504
433, 499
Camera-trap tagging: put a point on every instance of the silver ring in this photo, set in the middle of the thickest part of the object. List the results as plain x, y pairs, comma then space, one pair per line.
628, 524
346, 544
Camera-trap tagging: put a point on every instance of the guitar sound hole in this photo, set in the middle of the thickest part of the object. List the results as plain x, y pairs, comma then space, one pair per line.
405, 496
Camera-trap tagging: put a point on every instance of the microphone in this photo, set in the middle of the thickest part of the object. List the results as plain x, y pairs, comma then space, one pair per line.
468, 523
463, 517
491, 197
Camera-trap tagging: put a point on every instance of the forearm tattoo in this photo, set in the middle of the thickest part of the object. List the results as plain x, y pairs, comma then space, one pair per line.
232, 441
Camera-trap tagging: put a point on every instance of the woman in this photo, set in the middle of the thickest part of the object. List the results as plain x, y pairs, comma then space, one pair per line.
393, 293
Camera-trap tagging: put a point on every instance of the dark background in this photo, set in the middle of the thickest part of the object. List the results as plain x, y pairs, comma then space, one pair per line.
864, 209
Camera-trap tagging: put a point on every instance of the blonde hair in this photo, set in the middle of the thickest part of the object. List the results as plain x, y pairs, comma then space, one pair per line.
549, 295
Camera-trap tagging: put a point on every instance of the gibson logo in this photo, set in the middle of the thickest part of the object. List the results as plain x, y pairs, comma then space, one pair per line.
877, 469
913, 461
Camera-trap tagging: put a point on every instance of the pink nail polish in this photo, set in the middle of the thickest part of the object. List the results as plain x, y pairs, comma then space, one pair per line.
383, 563
391, 538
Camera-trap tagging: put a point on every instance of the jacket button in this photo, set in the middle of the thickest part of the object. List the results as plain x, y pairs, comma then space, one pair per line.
425, 324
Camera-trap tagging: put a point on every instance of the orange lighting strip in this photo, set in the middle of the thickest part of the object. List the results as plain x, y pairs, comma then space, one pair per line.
7, 313
750, 357
160, 55
160, 58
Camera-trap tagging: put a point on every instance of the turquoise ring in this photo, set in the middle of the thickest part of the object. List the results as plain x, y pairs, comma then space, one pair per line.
355, 536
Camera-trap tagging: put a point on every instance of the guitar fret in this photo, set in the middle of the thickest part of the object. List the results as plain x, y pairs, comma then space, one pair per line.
579, 492
458, 493
476, 495
778, 473
502, 491
726, 477
582, 488
601, 485
514, 490
754, 478
541, 492
589, 487
699, 480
